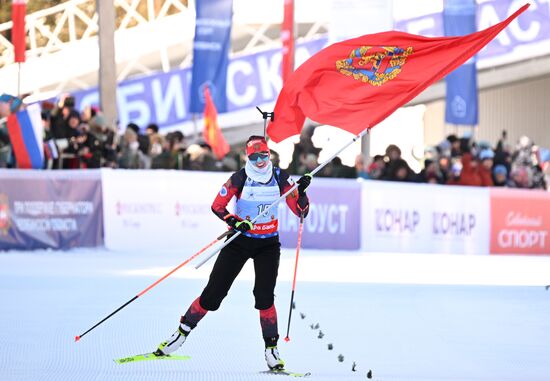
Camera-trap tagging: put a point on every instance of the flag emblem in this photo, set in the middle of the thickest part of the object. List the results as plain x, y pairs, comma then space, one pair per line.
374, 64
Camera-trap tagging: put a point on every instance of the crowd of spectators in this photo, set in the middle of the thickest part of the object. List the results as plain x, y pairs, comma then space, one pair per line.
76, 139
455, 161
462, 161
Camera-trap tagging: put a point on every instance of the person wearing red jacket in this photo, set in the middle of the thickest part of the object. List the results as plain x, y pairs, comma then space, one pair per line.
255, 187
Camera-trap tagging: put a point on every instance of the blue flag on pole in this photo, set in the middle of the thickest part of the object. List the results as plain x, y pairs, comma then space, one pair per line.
210, 53
461, 107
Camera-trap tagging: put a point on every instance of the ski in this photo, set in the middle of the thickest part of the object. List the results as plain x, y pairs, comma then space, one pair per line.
284, 372
148, 357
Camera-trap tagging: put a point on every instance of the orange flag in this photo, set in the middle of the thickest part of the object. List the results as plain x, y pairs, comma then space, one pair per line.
212, 133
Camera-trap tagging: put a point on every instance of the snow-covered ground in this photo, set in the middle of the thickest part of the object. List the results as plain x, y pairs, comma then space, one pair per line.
406, 317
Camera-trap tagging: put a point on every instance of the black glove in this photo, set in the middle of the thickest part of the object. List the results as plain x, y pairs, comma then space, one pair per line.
242, 226
304, 182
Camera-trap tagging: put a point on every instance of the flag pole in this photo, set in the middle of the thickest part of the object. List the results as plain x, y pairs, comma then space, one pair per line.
19, 79
274, 204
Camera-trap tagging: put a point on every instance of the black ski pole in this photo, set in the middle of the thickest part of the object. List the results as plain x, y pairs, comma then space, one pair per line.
78, 337
300, 230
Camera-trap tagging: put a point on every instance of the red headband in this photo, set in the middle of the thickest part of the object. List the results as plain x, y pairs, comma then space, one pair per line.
258, 145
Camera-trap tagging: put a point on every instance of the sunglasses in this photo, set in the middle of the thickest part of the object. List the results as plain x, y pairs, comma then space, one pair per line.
257, 156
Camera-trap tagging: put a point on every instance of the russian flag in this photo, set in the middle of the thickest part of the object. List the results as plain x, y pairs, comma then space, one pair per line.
25, 130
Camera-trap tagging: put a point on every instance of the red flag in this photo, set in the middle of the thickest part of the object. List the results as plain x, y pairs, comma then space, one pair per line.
357, 83
212, 133
287, 35
18, 11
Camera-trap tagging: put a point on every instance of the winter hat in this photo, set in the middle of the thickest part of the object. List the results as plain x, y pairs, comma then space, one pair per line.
256, 144
486, 154
500, 170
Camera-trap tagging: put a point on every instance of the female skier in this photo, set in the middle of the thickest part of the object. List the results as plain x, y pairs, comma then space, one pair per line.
256, 186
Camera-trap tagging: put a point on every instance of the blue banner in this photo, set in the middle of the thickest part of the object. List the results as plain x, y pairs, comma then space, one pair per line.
210, 53
461, 104
531, 28
50, 209
164, 98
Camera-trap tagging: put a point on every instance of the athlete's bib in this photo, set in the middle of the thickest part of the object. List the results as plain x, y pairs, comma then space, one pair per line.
255, 199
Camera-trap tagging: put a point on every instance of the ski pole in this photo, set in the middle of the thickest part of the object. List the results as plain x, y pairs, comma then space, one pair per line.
77, 338
266, 211
300, 230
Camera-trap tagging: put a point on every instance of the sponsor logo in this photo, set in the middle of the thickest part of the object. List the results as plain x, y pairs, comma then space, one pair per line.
126, 208
269, 227
522, 232
396, 220
223, 191
522, 238
195, 209
519, 222
453, 224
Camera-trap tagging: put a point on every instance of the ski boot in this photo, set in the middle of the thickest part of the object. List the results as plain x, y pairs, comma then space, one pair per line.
174, 342
272, 358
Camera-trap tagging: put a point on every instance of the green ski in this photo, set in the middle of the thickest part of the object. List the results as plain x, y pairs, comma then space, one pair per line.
284, 372
150, 356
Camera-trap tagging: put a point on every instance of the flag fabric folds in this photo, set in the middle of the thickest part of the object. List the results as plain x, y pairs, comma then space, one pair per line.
212, 133
357, 83
18, 11
25, 130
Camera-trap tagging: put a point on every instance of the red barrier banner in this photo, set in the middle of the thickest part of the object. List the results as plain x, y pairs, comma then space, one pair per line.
520, 221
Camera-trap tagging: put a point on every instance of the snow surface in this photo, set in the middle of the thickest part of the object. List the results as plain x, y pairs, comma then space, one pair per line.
405, 316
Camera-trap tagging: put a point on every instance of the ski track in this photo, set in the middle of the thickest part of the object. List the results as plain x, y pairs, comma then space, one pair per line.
400, 330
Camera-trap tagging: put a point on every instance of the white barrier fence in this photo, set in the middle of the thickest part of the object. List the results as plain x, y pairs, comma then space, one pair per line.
165, 210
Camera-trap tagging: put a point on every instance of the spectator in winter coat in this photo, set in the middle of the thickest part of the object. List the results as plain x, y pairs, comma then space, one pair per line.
486, 167
454, 174
473, 173
430, 173
455, 145
361, 167
500, 175
143, 140
86, 148
520, 177
399, 170
377, 168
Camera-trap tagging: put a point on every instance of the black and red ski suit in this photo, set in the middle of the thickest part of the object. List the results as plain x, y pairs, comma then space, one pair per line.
260, 243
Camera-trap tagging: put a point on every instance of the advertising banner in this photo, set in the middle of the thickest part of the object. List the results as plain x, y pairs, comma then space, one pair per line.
161, 209
461, 103
164, 98
424, 218
334, 217
210, 53
50, 209
526, 37
520, 221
